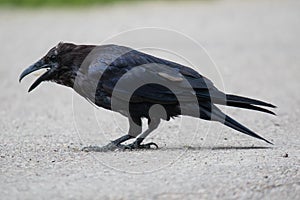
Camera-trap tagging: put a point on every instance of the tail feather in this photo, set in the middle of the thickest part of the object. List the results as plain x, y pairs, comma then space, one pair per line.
217, 115
239, 127
249, 106
244, 100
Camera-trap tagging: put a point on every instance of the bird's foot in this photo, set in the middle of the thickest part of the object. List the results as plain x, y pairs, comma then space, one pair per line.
137, 145
109, 147
120, 147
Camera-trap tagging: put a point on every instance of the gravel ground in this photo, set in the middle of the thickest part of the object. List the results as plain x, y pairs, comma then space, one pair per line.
255, 45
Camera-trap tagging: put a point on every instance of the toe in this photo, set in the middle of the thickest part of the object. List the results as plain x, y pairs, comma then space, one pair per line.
152, 144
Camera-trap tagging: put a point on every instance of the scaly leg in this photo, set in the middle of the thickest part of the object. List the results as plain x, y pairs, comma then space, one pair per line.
153, 124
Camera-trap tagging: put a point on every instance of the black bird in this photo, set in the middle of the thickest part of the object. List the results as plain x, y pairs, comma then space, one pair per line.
138, 85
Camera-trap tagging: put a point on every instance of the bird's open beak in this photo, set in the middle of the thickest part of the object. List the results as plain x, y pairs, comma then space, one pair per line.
36, 66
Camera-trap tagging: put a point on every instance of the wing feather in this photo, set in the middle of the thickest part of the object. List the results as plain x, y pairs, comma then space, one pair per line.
137, 68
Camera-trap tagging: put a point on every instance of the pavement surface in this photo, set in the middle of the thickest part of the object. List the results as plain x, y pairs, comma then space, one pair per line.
254, 51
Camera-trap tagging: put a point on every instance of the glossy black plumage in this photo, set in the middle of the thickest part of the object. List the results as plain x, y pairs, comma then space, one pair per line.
116, 78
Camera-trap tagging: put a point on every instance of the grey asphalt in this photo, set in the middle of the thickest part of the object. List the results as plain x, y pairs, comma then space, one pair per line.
254, 51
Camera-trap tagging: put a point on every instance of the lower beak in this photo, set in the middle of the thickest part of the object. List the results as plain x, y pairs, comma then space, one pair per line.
36, 66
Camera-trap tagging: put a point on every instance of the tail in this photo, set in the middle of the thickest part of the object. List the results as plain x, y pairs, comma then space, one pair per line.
247, 103
239, 127
214, 113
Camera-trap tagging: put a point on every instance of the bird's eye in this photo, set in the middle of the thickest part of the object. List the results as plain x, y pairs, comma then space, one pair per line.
52, 58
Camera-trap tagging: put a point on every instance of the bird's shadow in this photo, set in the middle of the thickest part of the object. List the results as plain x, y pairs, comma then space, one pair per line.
198, 148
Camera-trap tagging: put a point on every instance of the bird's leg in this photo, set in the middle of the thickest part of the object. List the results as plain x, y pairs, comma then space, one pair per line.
135, 128
137, 144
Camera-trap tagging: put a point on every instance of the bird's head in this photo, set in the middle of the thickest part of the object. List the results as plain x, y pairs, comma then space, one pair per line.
62, 63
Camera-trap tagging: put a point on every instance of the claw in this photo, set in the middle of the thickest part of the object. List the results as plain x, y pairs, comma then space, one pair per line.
135, 145
152, 143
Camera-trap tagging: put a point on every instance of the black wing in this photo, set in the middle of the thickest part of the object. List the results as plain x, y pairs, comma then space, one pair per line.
122, 68
137, 68
162, 81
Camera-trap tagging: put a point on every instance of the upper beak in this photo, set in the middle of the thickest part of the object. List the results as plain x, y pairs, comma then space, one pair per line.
36, 66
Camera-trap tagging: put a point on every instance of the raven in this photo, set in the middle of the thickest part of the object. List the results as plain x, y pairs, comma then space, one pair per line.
138, 85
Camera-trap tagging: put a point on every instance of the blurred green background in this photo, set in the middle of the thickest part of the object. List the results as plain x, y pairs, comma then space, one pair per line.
41, 3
